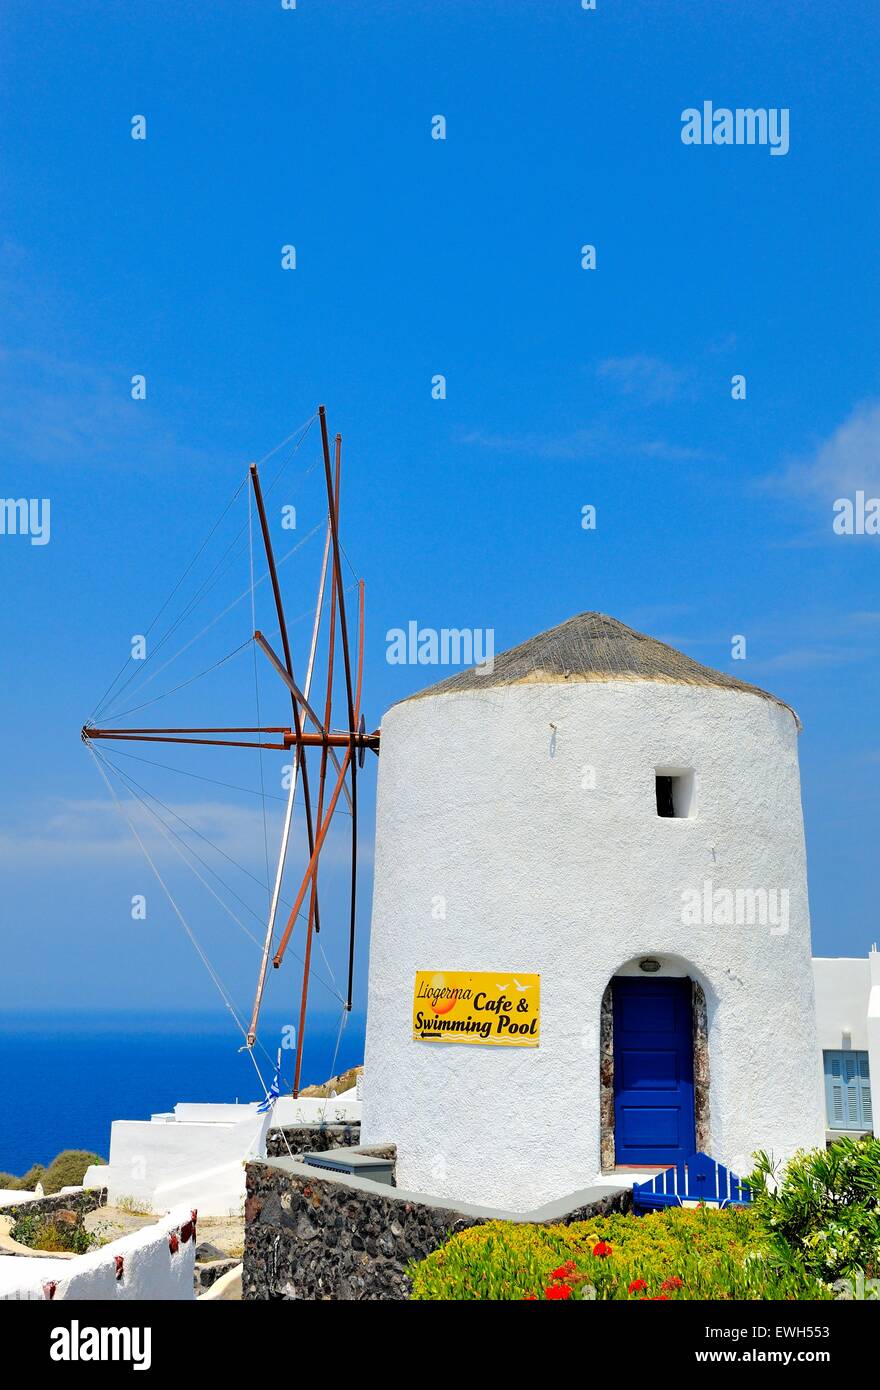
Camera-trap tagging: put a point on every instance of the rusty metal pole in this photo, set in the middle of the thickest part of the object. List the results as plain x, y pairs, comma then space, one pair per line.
328, 708
285, 642
352, 720
354, 819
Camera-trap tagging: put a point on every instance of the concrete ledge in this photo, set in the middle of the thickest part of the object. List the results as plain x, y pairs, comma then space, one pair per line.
548, 1214
227, 1288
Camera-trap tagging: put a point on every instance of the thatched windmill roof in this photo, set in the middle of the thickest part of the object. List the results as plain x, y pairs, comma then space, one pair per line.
593, 647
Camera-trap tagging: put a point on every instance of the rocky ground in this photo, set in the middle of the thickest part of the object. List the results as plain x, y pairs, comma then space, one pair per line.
223, 1234
336, 1085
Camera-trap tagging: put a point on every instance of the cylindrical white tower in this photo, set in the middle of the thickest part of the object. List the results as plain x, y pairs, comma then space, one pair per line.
603, 812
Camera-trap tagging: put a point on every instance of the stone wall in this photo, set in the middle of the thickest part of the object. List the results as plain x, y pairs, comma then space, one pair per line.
299, 1139
313, 1235
206, 1274
80, 1202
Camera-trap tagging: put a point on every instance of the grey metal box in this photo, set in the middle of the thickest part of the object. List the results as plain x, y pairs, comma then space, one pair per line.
353, 1164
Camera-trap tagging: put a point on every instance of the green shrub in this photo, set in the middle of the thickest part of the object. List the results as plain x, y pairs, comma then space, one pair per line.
67, 1169
25, 1184
34, 1174
825, 1204
671, 1254
46, 1233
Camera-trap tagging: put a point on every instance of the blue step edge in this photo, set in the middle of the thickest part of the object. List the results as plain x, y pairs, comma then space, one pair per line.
698, 1179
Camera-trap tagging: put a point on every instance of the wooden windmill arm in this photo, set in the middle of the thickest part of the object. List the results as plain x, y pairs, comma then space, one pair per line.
294, 689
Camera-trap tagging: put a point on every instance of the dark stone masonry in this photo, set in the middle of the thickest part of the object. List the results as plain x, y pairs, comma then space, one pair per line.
207, 1273
313, 1235
79, 1202
299, 1139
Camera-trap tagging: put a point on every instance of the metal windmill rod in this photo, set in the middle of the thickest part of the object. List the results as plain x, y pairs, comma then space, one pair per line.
285, 642
322, 781
288, 814
295, 690
309, 730
354, 821
355, 741
324, 826
353, 713
359, 738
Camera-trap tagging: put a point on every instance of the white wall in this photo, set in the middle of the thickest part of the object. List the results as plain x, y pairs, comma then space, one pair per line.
874, 1037
479, 805
197, 1152
14, 1196
843, 985
317, 1110
150, 1270
154, 1166
306, 1110
848, 1012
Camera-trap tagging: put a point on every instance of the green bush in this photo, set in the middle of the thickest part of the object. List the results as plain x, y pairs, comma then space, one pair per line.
825, 1205
24, 1184
816, 1221
671, 1254
33, 1175
67, 1169
46, 1233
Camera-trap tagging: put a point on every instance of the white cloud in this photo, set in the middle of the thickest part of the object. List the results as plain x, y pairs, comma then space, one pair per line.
56, 411
79, 831
594, 442
807, 658
70, 833
848, 460
648, 379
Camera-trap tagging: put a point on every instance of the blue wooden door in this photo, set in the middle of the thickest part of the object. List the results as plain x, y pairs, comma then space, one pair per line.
653, 1070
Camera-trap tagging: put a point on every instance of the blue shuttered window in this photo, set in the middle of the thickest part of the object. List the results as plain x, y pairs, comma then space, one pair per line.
847, 1090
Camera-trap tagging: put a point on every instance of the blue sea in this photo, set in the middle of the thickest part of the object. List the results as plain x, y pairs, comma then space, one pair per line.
65, 1077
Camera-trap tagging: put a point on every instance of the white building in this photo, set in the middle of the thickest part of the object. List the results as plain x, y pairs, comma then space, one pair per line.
602, 812
848, 1018
605, 814
196, 1153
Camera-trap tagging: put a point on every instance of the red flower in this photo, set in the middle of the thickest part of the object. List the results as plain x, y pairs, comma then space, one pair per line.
636, 1286
527, 1296
673, 1282
602, 1250
557, 1291
564, 1271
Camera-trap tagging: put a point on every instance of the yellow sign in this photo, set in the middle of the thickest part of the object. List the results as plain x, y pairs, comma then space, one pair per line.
477, 1007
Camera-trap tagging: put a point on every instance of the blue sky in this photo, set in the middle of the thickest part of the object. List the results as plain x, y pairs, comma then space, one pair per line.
415, 257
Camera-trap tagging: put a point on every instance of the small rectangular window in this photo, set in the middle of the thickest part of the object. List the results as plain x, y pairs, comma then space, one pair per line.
674, 788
